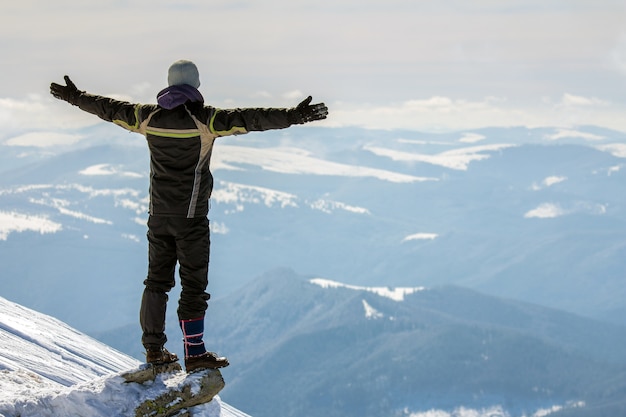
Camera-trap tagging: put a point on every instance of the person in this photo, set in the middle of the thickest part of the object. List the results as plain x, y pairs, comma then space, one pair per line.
180, 131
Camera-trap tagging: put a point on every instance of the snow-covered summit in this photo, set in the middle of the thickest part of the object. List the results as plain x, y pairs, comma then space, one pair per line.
396, 294
35, 343
49, 369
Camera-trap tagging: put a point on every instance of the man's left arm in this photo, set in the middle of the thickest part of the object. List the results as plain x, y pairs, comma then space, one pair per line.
228, 122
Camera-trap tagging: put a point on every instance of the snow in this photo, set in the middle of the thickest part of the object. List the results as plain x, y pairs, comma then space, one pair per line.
553, 210
107, 169
240, 194
421, 236
62, 206
50, 349
219, 228
396, 294
60, 200
91, 192
328, 206
548, 182
132, 237
570, 133
458, 159
616, 149
297, 161
49, 369
233, 193
494, 411
545, 211
613, 169
15, 222
371, 312
106, 396
472, 138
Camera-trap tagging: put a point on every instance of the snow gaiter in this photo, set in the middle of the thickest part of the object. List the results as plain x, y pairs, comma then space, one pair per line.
152, 318
193, 331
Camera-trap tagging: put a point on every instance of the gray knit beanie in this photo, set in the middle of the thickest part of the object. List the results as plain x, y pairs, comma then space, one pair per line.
183, 72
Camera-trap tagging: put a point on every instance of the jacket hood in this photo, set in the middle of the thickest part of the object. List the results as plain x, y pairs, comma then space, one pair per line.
175, 95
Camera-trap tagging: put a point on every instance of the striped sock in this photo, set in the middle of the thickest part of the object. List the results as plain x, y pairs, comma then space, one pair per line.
193, 330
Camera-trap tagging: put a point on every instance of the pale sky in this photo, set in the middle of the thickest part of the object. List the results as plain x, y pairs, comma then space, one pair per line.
426, 65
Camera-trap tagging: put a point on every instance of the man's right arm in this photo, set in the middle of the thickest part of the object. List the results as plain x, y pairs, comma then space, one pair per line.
120, 112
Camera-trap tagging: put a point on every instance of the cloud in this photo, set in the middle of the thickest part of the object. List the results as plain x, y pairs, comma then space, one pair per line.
295, 95
262, 94
408, 60
44, 139
618, 54
34, 113
439, 113
46, 123
20, 118
569, 100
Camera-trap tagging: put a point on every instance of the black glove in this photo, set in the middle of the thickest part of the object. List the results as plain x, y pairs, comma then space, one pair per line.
307, 112
67, 92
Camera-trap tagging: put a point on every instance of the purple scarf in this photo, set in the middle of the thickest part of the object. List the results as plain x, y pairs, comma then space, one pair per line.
175, 95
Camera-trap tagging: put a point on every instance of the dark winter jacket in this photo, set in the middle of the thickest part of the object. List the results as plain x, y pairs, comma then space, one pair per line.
181, 140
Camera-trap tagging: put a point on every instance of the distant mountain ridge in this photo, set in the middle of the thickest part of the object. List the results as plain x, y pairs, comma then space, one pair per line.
347, 351
438, 348
530, 214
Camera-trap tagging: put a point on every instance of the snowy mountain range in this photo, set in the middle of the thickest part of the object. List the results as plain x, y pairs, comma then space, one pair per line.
329, 349
534, 215
531, 214
50, 369
322, 348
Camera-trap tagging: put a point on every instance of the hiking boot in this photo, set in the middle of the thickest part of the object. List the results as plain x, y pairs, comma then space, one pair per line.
208, 360
160, 357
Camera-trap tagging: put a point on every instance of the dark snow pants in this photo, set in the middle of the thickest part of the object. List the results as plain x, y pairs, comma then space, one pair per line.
172, 240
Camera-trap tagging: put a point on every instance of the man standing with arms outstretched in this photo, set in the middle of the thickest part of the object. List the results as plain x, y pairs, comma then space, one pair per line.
180, 130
